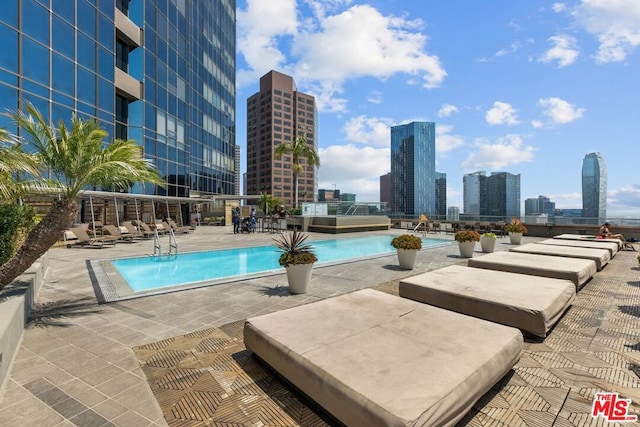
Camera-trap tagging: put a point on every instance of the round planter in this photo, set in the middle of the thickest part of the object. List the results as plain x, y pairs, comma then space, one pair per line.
407, 258
488, 244
299, 277
466, 249
515, 238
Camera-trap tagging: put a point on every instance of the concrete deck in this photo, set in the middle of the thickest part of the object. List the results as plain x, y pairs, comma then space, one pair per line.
77, 364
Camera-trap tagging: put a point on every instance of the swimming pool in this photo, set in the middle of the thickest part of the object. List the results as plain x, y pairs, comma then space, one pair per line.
148, 274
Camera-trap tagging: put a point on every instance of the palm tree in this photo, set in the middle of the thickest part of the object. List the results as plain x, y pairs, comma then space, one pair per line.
265, 202
76, 158
13, 162
299, 149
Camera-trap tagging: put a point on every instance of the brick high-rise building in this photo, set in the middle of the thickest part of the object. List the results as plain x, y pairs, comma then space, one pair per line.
276, 114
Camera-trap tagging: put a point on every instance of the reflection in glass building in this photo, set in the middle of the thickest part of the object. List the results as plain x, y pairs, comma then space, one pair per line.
413, 169
594, 188
160, 72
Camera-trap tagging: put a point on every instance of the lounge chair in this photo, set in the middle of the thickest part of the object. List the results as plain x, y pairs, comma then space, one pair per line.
612, 247
600, 256
84, 239
135, 233
530, 303
178, 229
374, 359
119, 234
579, 271
144, 228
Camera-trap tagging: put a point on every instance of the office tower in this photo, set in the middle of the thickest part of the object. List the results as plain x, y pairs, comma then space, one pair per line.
385, 189
474, 193
276, 114
348, 197
160, 73
594, 188
503, 196
441, 195
237, 170
453, 213
413, 169
539, 205
328, 195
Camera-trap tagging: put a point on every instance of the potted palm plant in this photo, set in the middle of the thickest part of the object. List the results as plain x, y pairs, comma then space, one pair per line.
488, 242
297, 258
516, 229
467, 242
407, 246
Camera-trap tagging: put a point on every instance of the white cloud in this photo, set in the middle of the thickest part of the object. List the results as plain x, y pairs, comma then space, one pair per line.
559, 7
564, 51
501, 114
446, 110
354, 169
378, 46
616, 24
509, 150
375, 97
625, 199
513, 48
260, 28
537, 124
445, 141
567, 200
559, 110
369, 130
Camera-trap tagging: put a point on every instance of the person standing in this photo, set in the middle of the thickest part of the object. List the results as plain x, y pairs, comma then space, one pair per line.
235, 218
253, 222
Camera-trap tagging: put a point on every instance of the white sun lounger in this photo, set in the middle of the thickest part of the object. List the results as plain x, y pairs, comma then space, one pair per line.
579, 271
530, 303
596, 244
600, 256
374, 359
587, 238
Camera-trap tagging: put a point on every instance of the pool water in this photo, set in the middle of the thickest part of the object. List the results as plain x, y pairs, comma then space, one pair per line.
146, 273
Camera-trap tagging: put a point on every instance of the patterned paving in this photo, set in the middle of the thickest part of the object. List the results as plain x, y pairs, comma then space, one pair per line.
208, 378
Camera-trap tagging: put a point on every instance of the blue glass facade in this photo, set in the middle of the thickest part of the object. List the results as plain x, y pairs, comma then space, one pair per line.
594, 188
503, 196
413, 169
160, 72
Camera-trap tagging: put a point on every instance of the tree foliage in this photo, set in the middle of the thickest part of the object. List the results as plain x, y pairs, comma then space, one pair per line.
299, 149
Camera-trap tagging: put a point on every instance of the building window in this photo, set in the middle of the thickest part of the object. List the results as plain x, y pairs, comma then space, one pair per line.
122, 56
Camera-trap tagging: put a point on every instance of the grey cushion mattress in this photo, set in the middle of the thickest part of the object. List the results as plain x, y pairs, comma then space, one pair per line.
600, 256
596, 244
531, 303
374, 359
579, 271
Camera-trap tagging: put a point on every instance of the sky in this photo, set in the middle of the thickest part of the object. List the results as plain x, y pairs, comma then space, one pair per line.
527, 87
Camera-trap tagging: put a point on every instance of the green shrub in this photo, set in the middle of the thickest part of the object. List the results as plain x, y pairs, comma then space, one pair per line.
15, 223
407, 241
467, 236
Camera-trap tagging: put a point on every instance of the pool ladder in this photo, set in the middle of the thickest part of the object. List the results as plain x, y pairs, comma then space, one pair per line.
173, 246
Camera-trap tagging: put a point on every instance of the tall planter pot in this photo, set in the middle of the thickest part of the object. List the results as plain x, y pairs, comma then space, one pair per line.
407, 258
299, 277
488, 244
515, 238
466, 249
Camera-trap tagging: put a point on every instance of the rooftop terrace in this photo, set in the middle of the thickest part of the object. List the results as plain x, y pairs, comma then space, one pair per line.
179, 359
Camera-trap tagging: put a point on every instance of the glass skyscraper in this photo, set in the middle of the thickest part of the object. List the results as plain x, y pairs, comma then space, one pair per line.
413, 169
474, 196
441, 195
503, 196
160, 72
594, 188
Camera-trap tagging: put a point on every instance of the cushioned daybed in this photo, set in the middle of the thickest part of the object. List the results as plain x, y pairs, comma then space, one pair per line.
612, 247
588, 239
579, 271
374, 359
531, 303
600, 256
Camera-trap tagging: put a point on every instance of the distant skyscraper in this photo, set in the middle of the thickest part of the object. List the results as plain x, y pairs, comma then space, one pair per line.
413, 168
474, 193
441, 195
594, 188
453, 213
385, 189
503, 195
539, 205
275, 114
